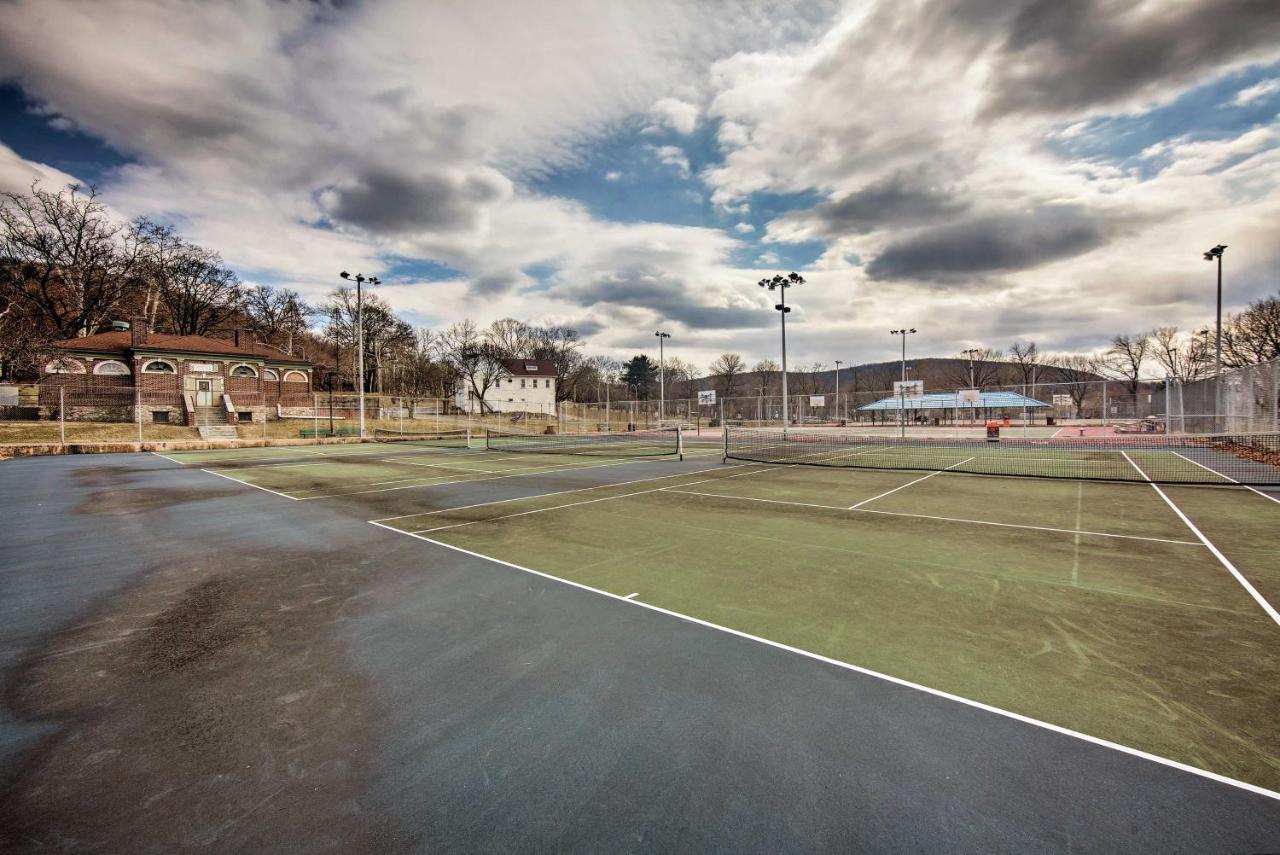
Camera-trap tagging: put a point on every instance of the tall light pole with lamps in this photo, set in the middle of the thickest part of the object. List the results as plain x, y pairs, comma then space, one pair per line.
838, 364
902, 400
780, 284
1212, 255
662, 375
360, 279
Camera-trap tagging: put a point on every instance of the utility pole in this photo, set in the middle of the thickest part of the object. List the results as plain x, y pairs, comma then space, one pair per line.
780, 284
360, 279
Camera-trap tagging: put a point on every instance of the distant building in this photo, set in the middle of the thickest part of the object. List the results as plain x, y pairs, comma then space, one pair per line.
131, 373
523, 386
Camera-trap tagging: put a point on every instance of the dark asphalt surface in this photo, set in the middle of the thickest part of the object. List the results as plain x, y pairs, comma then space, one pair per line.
189, 664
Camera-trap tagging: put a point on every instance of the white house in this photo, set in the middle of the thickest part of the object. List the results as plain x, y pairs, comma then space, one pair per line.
523, 386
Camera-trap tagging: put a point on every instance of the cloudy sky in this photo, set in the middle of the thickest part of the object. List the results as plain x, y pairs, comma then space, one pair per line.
983, 170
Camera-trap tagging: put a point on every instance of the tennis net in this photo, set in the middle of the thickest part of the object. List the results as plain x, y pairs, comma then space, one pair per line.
433, 439
645, 443
1250, 459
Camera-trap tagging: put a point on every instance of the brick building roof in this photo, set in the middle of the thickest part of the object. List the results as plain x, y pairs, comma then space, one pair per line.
121, 342
530, 367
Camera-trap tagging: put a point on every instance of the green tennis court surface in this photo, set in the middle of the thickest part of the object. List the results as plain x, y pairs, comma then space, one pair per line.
1093, 606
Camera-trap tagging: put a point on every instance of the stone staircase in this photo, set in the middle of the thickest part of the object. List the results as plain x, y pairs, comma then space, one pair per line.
211, 422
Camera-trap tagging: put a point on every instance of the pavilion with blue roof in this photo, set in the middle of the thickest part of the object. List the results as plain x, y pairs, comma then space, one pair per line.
951, 401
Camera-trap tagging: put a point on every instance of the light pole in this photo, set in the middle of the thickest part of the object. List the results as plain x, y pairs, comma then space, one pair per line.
780, 284
902, 400
971, 352
360, 279
1211, 255
662, 376
838, 364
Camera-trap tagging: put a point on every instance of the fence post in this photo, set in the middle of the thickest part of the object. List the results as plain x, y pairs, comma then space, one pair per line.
62, 414
315, 415
137, 410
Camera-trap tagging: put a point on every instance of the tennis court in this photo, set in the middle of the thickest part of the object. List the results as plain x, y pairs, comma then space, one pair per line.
1135, 613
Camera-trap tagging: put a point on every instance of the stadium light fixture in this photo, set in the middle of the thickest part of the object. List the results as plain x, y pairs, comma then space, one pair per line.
780, 284
662, 376
360, 279
1215, 254
971, 352
902, 404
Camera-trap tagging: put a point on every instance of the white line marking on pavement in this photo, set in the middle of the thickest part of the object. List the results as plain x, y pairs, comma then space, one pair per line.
1093, 740
556, 493
254, 486
632, 595
906, 485
1217, 553
1229, 478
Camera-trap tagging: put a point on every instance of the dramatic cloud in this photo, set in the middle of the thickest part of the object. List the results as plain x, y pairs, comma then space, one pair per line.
1084, 53
1009, 242
969, 167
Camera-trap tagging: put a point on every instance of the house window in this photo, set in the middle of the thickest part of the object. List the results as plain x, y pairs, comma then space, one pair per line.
522, 382
244, 371
160, 417
111, 367
270, 374
245, 415
159, 366
295, 377
64, 366
529, 366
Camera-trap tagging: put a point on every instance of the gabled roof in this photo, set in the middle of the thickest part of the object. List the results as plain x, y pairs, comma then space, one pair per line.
530, 367
121, 343
950, 400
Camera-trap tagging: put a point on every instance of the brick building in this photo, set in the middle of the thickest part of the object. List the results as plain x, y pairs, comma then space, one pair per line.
131, 373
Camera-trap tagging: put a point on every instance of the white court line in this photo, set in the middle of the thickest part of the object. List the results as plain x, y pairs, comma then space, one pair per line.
1217, 553
556, 493
632, 596
906, 485
1229, 478
167, 457
255, 486
474, 480
584, 502
1063, 731
1076, 531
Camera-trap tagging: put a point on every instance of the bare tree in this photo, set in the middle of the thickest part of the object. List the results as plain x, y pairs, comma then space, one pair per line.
277, 315
563, 347
766, 371
476, 363
1125, 358
679, 376
1179, 354
197, 292
511, 338
66, 260
1252, 336
1026, 356
726, 368
1076, 374
987, 365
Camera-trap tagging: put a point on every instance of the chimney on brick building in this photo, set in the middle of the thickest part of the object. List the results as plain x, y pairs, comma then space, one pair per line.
139, 331
243, 338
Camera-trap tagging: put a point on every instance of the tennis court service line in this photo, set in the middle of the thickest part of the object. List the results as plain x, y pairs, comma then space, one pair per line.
1229, 478
255, 486
906, 485
858, 669
556, 493
584, 502
438, 482
1076, 531
1217, 553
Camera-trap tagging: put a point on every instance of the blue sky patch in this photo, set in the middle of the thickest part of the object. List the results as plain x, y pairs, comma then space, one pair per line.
1207, 112
31, 135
